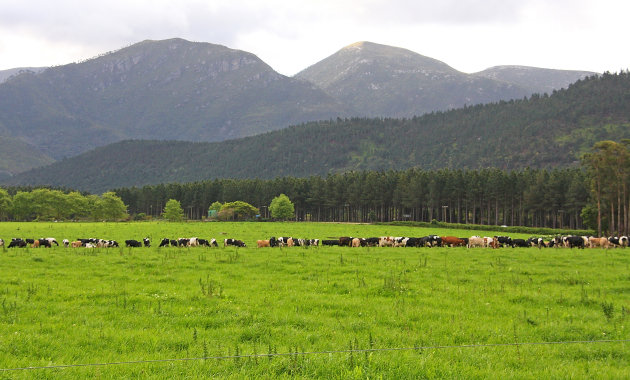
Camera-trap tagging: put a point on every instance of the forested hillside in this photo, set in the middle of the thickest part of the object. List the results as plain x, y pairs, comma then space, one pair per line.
537, 132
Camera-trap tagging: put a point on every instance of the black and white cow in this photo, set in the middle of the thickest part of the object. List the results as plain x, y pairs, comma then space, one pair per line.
147, 242
133, 243
233, 242
1, 243
329, 242
574, 241
17, 242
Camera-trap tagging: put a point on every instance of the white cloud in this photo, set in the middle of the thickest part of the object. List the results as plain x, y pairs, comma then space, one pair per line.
469, 35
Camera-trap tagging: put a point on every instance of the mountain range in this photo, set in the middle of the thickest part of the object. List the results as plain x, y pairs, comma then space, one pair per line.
541, 131
190, 91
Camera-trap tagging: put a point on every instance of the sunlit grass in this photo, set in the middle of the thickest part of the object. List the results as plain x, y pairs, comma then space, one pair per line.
75, 306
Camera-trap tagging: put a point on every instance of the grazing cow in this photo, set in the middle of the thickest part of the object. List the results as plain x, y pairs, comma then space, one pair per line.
147, 242
412, 242
164, 242
491, 242
400, 241
233, 242
574, 241
345, 241
44, 243
452, 241
290, 242
476, 241
536, 242
76, 244
595, 242
19, 243
52, 241
66, 243
371, 242
129, 243
1, 243
386, 241
90, 245
623, 241
35, 244
193, 242
314, 242
521, 243
504, 241
262, 243
330, 242
356, 242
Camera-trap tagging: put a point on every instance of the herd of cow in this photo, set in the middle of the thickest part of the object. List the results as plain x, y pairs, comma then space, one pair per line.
478, 241
383, 241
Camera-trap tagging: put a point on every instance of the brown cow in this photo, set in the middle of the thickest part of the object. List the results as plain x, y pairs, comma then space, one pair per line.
356, 242
602, 242
452, 241
35, 244
77, 244
263, 243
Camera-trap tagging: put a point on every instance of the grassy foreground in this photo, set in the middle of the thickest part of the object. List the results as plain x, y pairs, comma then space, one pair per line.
78, 306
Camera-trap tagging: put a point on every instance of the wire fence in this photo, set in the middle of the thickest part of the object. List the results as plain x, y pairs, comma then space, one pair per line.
271, 355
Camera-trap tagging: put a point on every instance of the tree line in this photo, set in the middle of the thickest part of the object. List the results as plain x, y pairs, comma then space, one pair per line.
594, 196
539, 198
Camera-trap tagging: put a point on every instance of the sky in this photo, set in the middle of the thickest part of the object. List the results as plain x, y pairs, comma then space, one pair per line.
290, 35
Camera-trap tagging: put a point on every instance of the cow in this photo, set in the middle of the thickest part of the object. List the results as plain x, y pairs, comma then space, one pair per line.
66, 243
147, 242
536, 242
52, 241
452, 241
193, 242
595, 242
330, 242
412, 242
165, 242
345, 241
314, 242
129, 243
19, 243
623, 241
1, 243
262, 243
290, 242
400, 241
233, 242
386, 241
475, 241
356, 242
77, 244
491, 242
521, 243
205, 242
371, 242
44, 243
504, 241
574, 241
35, 244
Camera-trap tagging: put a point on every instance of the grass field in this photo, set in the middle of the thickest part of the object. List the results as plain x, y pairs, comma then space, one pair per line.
88, 306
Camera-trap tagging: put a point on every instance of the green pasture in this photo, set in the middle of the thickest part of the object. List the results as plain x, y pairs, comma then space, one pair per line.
90, 306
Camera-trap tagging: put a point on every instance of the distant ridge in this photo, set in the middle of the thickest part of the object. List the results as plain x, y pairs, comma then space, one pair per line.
192, 91
541, 131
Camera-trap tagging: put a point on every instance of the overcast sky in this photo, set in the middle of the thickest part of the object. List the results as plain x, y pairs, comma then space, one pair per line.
290, 35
